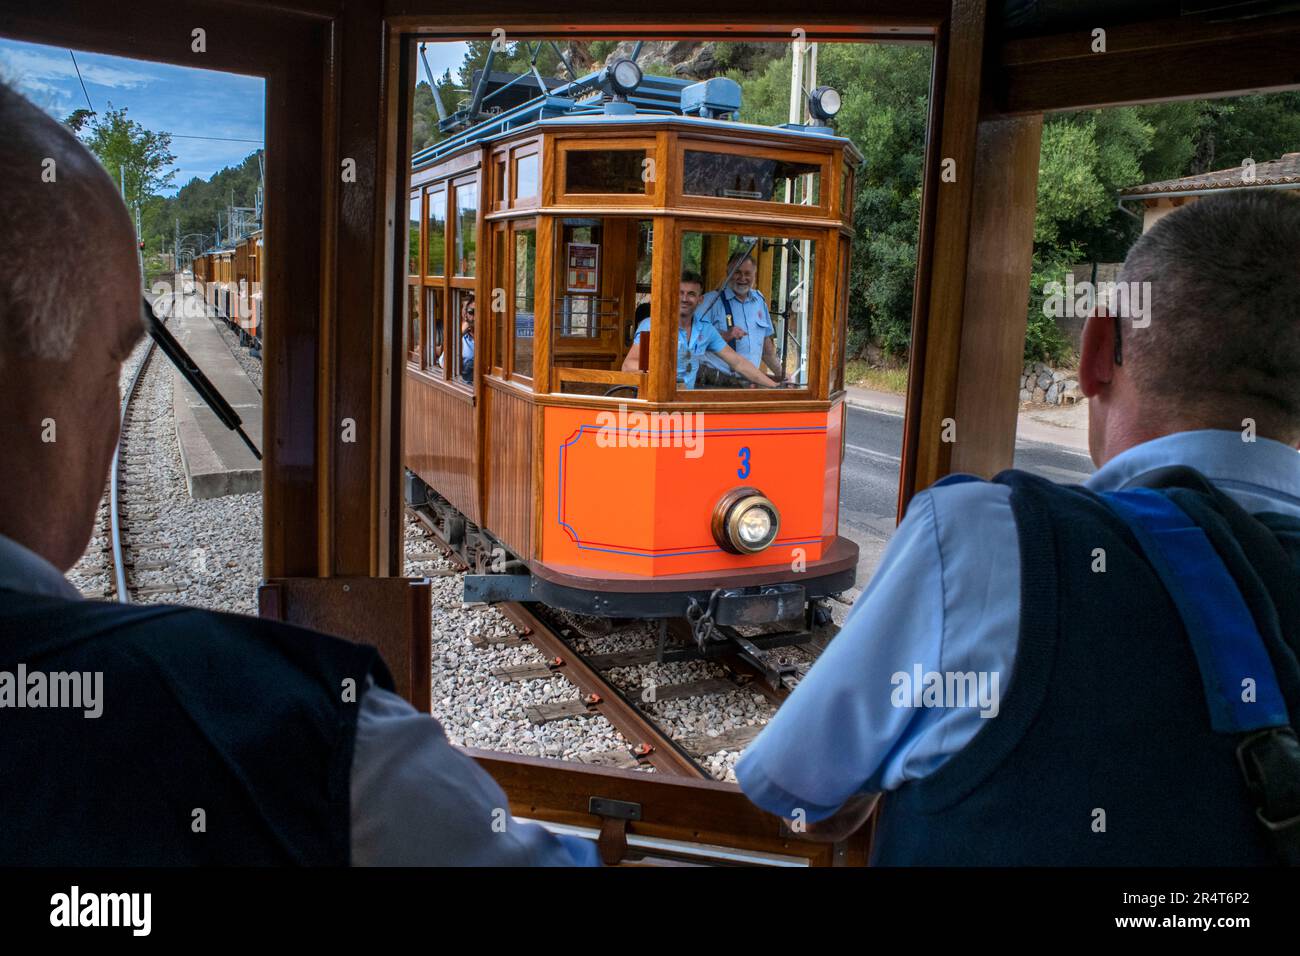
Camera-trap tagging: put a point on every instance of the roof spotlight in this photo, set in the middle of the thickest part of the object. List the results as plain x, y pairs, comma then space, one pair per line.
824, 102
623, 76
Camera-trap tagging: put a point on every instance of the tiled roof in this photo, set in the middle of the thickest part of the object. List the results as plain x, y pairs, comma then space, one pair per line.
1276, 172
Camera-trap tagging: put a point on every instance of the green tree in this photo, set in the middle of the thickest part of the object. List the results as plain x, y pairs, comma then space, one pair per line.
129, 151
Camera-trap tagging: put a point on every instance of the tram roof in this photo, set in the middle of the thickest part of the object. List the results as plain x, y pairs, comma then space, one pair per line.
657, 100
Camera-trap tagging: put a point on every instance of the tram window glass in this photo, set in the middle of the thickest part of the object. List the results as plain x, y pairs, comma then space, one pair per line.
466, 224
435, 241
413, 242
839, 323
772, 284
461, 343
499, 181
525, 266
737, 176
526, 176
579, 261
433, 341
414, 324
604, 171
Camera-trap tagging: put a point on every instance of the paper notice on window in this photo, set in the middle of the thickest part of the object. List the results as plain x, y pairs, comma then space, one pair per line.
583, 263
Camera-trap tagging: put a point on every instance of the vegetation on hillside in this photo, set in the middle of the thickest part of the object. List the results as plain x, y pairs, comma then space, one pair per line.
1086, 159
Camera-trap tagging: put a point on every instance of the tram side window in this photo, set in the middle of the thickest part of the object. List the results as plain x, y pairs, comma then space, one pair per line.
580, 293
461, 346
435, 240
526, 176
524, 275
413, 242
433, 341
761, 286
466, 244
414, 324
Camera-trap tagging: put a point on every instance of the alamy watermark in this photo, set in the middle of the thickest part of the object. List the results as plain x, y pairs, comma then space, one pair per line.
78, 690
625, 429
922, 688
1127, 300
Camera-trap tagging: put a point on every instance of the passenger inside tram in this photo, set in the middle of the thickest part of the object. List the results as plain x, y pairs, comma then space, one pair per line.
697, 339
740, 314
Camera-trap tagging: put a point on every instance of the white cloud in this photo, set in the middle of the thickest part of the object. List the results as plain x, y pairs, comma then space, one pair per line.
34, 70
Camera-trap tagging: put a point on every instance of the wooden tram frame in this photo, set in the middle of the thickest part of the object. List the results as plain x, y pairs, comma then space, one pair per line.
338, 78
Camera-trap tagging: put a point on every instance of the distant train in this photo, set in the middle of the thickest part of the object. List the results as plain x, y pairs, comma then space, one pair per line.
230, 282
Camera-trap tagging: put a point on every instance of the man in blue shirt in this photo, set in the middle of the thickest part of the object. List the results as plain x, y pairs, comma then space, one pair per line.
1210, 380
739, 312
289, 746
696, 340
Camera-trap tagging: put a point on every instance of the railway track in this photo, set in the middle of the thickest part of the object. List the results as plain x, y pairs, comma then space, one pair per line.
128, 519
603, 691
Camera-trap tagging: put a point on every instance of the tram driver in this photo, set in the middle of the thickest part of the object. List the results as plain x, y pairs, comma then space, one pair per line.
1101, 674
697, 340
239, 716
739, 312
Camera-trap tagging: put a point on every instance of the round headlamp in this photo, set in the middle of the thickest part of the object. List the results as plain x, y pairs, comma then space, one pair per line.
824, 102
745, 521
624, 76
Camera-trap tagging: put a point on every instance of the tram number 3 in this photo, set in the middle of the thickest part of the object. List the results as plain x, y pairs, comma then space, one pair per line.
743, 470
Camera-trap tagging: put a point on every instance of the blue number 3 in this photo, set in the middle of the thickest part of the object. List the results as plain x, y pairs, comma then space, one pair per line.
743, 470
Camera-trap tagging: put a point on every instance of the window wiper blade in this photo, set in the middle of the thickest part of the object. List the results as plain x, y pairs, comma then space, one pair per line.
194, 375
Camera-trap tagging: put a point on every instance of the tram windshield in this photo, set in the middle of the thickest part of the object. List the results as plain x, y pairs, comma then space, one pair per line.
758, 294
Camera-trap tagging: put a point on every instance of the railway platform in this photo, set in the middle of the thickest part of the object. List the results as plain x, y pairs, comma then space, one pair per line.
216, 461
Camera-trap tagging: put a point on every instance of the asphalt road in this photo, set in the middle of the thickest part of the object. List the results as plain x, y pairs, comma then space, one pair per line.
869, 479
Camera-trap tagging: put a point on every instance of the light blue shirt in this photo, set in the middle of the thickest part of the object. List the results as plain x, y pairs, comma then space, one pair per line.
750, 314
946, 598
691, 349
416, 800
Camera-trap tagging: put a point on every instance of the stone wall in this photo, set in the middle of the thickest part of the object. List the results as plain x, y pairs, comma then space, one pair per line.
1041, 383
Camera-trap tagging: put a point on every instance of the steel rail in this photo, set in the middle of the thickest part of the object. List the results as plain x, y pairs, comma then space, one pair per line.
114, 492
665, 754
660, 750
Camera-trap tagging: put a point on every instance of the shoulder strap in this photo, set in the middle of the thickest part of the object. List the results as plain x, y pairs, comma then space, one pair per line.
1238, 678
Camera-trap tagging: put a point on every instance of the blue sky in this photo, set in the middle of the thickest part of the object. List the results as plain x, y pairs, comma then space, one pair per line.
178, 100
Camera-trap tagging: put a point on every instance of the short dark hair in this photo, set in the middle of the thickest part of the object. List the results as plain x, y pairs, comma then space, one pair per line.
1223, 339
739, 257
691, 276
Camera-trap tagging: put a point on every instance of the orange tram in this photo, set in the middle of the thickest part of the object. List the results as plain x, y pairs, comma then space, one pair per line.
229, 280
539, 241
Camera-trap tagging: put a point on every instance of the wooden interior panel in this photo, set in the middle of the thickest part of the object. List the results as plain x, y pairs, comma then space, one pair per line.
392, 614
508, 467
698, 811
997, 293
438, 440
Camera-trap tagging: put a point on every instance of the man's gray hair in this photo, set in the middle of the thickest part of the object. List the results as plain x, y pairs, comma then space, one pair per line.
1224, 301
51, 189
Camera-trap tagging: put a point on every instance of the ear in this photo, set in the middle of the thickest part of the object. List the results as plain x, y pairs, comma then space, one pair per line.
1097, 358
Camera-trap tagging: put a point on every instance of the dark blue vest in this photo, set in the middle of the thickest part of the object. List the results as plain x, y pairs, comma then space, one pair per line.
1105, 720
242, 719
